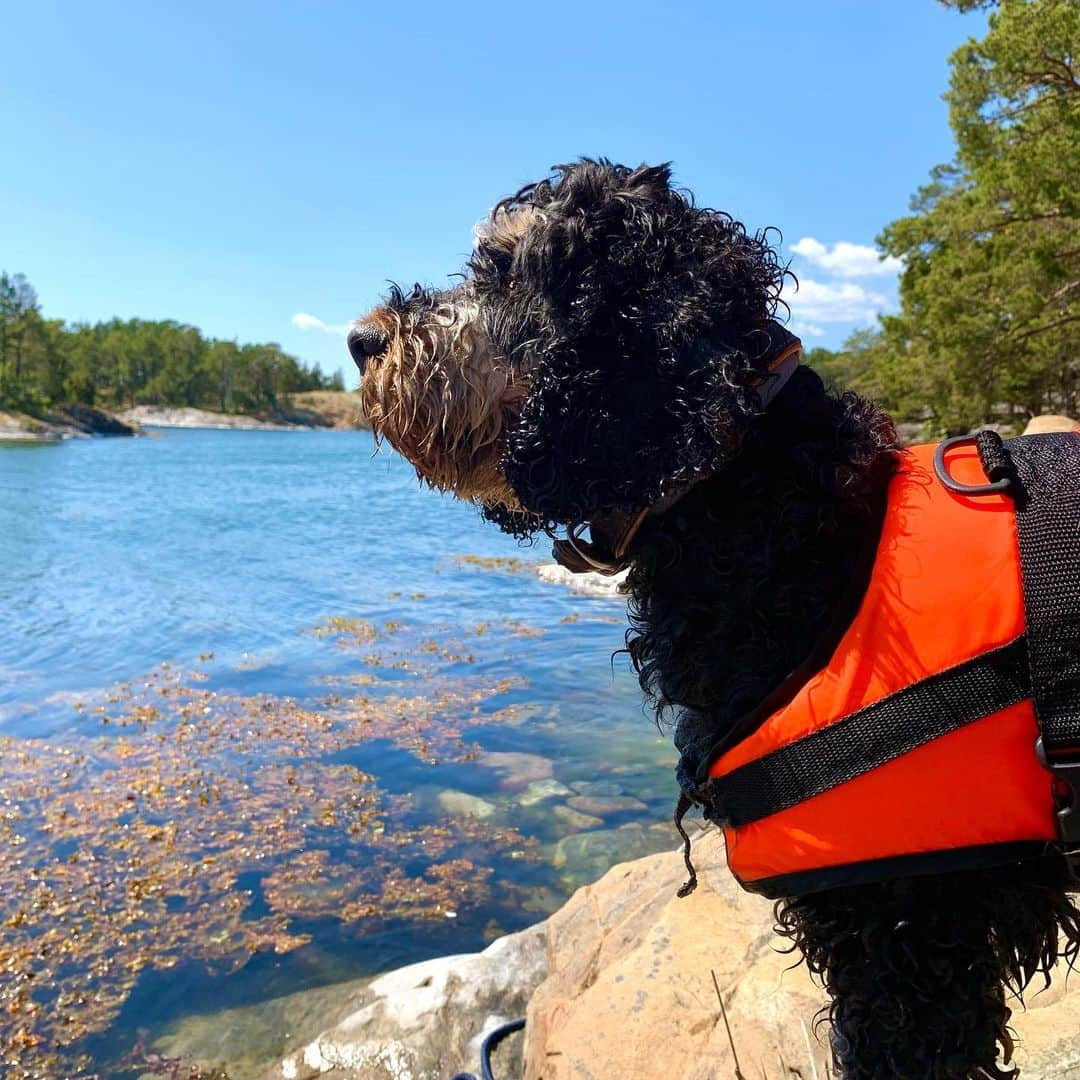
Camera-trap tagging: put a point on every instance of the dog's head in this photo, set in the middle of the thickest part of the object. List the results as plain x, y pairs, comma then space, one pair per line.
604, 350
433, 384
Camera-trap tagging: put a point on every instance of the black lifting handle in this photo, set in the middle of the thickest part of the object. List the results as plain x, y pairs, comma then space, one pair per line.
995, 463
487, 1046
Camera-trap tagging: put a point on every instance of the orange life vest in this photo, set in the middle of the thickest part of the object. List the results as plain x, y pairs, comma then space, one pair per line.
914, 749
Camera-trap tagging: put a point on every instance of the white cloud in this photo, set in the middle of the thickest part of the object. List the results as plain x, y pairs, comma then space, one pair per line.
805, 329
303, 321
847, 260
844, 302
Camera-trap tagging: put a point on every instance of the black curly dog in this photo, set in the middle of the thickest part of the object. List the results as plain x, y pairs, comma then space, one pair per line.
607, 350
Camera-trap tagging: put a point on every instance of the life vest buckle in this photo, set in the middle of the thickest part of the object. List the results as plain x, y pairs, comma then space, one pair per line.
1066, 773
1000, 481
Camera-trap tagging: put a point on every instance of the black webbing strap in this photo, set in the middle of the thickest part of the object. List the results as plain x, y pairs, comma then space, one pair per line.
1047, 469
871, 736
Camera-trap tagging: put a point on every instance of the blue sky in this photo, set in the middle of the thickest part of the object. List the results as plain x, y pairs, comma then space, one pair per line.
236, 165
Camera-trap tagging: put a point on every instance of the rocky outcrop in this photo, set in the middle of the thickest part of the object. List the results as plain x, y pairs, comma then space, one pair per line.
19, 428
629, 992
426, 1021
75, 421
636, 976
327, 408
311, 409
1039, 425
89, 420
175, 416
589, 584
625, 982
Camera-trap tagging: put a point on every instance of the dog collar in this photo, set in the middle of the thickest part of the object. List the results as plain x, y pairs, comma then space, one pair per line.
612, 533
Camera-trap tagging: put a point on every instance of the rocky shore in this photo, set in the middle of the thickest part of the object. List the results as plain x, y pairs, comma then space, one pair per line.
339, 410
623, 977
313, 409
177, 416
73, 421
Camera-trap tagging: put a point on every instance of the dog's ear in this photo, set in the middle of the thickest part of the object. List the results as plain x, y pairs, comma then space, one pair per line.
638, 321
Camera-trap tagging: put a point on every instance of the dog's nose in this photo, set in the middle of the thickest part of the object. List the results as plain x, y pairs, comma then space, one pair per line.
365, 340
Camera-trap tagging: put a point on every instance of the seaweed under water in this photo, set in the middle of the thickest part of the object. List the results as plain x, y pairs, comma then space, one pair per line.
131, 845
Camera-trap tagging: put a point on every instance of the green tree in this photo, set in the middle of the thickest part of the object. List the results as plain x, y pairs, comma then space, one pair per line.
990, 292
121, 363
20, 317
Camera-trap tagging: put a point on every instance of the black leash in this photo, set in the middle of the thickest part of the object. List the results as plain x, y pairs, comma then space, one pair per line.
487, 1046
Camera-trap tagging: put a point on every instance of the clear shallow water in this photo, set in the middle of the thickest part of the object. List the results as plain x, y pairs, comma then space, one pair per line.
324, 623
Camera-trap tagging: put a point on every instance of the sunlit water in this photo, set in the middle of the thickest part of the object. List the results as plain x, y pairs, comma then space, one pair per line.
217, 554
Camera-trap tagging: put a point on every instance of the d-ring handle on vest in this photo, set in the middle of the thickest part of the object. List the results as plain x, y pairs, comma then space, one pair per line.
993, 488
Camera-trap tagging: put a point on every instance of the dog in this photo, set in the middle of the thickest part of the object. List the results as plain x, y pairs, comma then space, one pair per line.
612, 357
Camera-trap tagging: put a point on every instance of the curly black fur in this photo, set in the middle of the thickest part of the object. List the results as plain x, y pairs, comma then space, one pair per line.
917, 968
638, 319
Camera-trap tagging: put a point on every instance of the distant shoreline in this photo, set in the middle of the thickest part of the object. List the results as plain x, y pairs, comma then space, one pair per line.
310, 410
174, 416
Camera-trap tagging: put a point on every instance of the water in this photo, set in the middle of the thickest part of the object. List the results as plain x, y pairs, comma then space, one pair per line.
269, 710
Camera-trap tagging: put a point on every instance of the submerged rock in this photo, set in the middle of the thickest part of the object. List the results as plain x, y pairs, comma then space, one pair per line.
604, 788
247, 1039
462, 804
539, 790
575, 819
605, 805
519, 768
584, 856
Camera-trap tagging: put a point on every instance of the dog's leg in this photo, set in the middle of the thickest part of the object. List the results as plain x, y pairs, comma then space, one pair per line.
918, 969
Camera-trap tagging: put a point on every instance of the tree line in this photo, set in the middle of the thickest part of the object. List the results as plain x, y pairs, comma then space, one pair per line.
126, 362
989, 326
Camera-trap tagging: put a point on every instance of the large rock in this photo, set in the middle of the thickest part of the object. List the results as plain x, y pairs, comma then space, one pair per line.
89, 420
426, 1021
630, 991
327, 408
587, 584
72, 421
1049, 422
182, 416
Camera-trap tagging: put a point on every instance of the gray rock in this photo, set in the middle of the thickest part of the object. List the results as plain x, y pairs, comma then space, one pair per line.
604, 788
587, 584
461, 804
248, 1039
520, 768
426, 1021
604, 806
539, 790
583, 857
575, 819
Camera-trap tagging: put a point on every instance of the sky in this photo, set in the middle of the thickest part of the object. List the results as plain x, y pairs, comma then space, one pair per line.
261, 171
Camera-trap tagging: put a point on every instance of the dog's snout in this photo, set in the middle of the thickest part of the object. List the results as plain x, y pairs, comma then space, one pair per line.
365, 341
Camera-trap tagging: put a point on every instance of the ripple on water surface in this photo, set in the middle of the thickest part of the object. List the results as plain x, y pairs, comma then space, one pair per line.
267, 708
